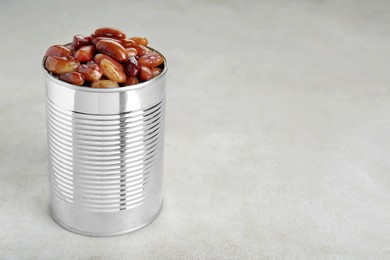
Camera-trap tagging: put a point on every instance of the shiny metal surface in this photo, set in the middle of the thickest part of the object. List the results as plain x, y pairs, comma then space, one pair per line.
105, 155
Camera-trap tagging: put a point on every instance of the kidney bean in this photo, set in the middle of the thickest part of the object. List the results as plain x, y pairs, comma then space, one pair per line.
58, 50
60, 65
110, 32
151, 60
140, 50
131, 51
99, 57
131, 81
140, 40
91, 71
85, 53
113, 49
112, 72
74, 78
131, 67
126, 42
80, 41
144, 73
146, 50
104, 83
156, 71
98, 39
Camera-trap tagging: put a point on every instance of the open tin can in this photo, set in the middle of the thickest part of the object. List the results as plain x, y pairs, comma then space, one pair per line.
105, 155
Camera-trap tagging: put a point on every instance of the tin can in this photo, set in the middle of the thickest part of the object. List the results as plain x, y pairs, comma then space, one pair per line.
105, 155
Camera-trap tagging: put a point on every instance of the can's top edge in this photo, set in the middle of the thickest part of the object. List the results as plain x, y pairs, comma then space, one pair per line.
107, 90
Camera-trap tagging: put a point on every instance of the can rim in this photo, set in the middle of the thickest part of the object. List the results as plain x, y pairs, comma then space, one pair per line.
107, 90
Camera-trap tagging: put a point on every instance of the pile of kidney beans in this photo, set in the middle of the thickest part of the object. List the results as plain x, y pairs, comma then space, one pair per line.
106, 59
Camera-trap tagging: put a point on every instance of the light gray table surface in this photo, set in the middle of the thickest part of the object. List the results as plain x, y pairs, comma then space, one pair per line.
277, 133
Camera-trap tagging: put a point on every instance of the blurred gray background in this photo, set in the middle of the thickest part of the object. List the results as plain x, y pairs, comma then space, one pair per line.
277, 134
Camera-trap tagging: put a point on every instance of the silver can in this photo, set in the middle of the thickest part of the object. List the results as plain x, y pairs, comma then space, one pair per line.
105, 155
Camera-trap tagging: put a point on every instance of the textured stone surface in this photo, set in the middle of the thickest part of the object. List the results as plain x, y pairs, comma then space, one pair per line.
277, 139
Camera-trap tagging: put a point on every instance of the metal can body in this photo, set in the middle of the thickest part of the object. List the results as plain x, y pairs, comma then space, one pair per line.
105, 155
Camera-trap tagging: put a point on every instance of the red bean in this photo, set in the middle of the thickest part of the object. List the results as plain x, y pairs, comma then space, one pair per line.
99, 57
151, 60
156, 71
98, 39
74, 78
131, 51
60, 65
131, 81
144, 73
113, 49
110, 32
58, 50
140, 49
112, 72
131, 67
85, 53
140, 40
105, 83
80, 41
91, 71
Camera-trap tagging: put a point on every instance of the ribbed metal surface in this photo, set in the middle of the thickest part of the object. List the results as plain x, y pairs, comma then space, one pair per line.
105, 163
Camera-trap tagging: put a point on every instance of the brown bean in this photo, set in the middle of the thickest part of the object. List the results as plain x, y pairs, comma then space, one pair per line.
144, 73
99, 57
156, 71
74, 78
113, 49
151, 60
85, 53
131, 81
140, 40
110, 32
60, 65
91, 71
112, 72
105, 83
58, 50
131, 51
